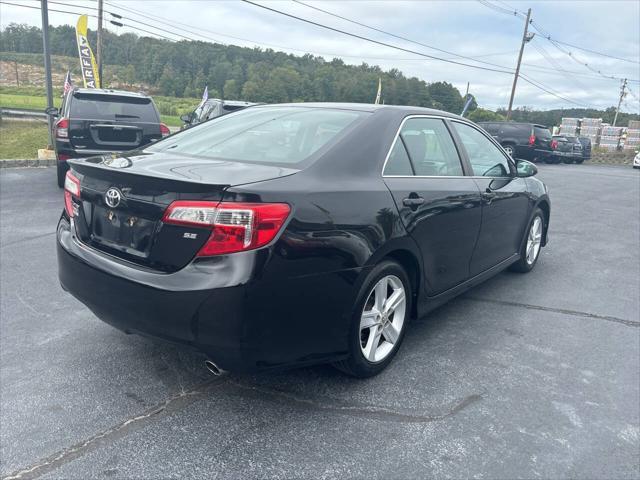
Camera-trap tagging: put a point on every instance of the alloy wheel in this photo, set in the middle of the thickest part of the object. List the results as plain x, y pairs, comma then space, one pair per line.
509, 150
534, 240
382, 318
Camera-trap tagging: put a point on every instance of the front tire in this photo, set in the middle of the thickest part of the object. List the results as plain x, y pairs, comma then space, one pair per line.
532, 244
379, 320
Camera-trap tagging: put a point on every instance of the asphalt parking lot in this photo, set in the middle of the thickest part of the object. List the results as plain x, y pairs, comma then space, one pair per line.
525, 376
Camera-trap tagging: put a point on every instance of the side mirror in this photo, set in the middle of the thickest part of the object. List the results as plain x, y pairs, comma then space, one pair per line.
53, 111
525, 168
186, 118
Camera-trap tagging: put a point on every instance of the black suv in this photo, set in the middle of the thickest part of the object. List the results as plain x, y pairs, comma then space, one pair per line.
98, 121
522, 140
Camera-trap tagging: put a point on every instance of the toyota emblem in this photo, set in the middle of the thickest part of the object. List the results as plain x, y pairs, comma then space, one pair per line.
113, 197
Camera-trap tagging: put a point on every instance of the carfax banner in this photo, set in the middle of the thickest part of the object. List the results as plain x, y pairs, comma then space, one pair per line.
87, 60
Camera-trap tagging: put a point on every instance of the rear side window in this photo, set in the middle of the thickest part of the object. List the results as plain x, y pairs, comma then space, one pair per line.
541, 132
430, 147
490, 127
280, 135
113, 107
398, 163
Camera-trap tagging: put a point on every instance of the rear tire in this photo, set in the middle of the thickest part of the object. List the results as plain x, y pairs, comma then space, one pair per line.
61, 170
378, 321
510, 149
567, 160
532, 243
550, 159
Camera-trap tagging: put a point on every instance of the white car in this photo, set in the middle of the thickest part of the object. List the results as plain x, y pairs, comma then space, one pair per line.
636, 160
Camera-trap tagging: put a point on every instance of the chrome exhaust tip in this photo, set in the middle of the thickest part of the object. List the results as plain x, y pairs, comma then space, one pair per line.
213, 368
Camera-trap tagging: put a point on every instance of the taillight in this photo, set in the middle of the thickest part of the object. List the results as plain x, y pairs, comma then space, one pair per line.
71, 189
235, 227
164, 130
62, 128
63, 158
554, 144
532, 140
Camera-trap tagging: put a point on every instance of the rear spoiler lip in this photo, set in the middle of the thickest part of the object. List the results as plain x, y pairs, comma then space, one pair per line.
84, 167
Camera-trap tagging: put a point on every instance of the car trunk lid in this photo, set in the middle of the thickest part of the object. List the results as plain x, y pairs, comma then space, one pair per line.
123, 200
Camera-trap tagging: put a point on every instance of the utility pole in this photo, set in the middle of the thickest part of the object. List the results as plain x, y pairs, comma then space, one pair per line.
100, 42
623, 94
47, 66
525, 39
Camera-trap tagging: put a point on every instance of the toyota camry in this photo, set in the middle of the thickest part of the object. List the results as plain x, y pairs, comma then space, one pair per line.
289, 235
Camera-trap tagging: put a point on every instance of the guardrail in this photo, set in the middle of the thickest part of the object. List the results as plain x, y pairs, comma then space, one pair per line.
23, 114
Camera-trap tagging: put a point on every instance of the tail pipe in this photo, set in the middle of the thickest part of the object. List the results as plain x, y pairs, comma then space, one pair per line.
214, 369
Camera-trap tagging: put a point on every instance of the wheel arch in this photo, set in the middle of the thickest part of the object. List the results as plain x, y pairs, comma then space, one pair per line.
405, 252
544, 205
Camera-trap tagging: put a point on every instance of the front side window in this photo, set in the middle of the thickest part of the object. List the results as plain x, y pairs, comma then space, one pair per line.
486, 159
279, 135
430, 147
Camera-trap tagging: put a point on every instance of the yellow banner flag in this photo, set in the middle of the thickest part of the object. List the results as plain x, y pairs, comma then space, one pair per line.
379, 94
88, 64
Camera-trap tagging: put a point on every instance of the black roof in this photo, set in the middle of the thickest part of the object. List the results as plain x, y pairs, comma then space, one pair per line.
511, 123
367, 107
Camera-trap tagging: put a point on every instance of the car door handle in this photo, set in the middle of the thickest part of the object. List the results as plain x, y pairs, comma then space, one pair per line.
413, 201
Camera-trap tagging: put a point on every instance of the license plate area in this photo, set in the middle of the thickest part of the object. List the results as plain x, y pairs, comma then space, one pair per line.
122, 230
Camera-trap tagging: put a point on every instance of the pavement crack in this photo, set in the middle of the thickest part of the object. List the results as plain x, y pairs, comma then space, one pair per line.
29, 307
575, 313
22, 240
172, 404
369, 411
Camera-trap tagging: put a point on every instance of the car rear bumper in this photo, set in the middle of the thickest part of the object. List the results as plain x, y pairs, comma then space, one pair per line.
215, 306
531, 153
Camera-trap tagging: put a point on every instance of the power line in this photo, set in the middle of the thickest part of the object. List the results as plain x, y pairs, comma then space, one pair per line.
530, 81
82, 13
400, 37
162, 20
555, 64
552, 92
120, 17
371, 40
516, 12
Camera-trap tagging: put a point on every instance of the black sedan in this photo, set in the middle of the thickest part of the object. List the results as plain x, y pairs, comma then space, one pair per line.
288, 235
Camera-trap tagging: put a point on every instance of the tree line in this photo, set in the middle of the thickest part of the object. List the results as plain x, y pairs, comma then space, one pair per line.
182, 69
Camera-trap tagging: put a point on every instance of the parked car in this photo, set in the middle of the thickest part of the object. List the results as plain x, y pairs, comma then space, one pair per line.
636, 160
288, 235
213, 108
98, 121
568, 149
528, 141
586, 149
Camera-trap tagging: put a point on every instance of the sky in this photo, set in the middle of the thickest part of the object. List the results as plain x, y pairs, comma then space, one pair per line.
484, 30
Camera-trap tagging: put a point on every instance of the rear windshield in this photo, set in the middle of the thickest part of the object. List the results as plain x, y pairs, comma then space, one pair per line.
541, 132
233, 108
113, 107
278, 135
